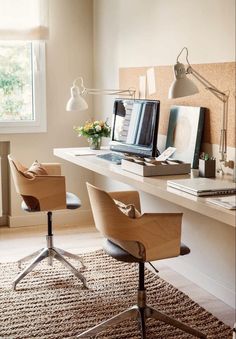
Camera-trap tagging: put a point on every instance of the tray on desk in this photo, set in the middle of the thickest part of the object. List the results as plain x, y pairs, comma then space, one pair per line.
148, 169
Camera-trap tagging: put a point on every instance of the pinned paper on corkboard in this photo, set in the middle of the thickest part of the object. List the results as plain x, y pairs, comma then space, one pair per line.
151, 82
142, 87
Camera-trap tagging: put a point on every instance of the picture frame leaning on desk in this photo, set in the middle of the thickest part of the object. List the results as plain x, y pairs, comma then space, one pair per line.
185, 133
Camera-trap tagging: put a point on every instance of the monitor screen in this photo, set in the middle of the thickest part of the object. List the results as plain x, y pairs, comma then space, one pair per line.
135, 126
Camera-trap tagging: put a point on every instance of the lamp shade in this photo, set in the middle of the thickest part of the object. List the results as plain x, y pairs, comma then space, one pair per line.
181, 86
76, 101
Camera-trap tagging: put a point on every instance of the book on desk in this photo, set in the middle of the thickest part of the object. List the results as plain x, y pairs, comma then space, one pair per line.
228, 202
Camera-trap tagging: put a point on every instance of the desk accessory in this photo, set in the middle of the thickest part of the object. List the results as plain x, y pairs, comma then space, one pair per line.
203, 186
207, 168
78, 103
228, 202
166, 154
112, 157
82, 152
148, 168
185, 132
183, 86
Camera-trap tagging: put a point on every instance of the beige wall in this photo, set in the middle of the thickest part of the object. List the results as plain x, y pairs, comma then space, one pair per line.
152, 32
69, 53
138, 33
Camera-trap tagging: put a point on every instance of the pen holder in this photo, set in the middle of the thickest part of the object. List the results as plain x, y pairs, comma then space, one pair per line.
207, 168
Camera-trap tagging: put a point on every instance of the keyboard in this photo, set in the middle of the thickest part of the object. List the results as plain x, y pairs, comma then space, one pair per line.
112, 157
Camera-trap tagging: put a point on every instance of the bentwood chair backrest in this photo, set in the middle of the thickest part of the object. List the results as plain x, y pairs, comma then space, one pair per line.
158, 233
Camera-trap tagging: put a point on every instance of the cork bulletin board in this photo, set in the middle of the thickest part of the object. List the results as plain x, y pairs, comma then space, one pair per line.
222, 75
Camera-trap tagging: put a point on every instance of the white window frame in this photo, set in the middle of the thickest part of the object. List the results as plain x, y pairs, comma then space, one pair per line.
39, 125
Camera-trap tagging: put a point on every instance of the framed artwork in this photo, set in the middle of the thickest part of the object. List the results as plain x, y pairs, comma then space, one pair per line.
185, 132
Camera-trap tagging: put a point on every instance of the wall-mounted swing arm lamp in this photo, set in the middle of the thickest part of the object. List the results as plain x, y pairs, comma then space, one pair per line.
77, 101
183, 86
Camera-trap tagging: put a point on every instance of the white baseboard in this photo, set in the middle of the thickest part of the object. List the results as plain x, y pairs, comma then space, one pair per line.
212, 286
65, 217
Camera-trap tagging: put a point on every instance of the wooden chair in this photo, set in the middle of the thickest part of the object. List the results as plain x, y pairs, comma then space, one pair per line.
151, 236
44, 193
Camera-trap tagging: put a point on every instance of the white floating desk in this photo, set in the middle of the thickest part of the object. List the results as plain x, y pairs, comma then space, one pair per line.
156, 186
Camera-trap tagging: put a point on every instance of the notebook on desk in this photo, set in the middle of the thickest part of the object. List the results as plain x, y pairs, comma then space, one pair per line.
203, 186
112, 157
228, 202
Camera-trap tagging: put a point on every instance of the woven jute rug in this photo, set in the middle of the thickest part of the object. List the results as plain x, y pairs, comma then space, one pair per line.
51, 303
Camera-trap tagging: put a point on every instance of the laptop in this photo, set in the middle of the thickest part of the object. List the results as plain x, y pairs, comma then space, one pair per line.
203, 186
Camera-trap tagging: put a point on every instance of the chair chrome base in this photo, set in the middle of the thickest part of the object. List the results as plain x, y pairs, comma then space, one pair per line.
50, 252
141, 312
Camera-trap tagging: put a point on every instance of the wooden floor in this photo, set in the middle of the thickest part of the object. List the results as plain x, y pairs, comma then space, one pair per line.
19, 242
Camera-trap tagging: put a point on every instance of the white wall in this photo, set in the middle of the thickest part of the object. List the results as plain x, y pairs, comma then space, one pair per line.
145, 33
152, 32
137, 33
69, 53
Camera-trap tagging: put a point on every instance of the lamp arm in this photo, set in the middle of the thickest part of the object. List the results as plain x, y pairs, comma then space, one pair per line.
208, 85
184, 48
223, 97
223, 135
130, 91
96, 91
81, 87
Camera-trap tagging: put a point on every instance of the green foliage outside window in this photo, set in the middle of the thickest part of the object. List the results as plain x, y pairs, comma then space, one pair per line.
15, 81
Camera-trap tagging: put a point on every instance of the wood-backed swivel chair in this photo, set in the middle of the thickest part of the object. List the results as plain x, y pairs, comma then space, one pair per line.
150, 236
43, 189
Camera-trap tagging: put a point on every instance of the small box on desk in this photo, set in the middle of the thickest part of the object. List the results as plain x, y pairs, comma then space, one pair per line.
148, 169
207, 168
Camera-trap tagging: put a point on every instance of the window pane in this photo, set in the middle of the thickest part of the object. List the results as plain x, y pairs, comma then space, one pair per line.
16, 82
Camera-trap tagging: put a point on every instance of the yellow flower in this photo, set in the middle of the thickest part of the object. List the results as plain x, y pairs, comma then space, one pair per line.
86, 128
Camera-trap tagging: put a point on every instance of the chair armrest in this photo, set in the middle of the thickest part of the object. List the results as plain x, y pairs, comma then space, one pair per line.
52, 168
127, 197
159, 233
49, 190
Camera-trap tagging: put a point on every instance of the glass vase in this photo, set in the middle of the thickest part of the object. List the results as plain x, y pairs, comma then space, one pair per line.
95, 143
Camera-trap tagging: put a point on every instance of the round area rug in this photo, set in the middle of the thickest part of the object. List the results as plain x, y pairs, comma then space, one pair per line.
50, 303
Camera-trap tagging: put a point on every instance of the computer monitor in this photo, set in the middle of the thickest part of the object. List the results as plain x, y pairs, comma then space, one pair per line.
135, 126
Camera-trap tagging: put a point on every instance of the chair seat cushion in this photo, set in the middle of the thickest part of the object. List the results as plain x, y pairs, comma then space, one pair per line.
72, 201
118, 253
30, 204
184, 249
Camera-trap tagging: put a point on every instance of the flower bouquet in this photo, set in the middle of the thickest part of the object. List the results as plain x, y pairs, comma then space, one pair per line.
94, 131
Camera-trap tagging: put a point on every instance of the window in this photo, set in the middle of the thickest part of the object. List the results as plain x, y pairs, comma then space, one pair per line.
22, 87
23, 30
